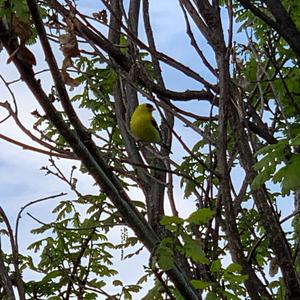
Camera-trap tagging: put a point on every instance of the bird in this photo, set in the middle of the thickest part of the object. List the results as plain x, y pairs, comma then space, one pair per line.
143, 126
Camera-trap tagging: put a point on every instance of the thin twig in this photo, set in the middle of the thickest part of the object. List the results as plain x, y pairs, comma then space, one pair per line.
34, 149
29, 204
7, 106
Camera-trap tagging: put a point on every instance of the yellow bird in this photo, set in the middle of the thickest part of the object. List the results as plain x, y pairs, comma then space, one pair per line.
143, 126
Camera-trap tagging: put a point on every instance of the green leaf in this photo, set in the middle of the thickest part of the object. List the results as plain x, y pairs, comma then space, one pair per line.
143, 279
193, 250
235, 278
124, 44
215, 266
90, 296
35, 246
166, 220
295, 141
171, 223
99, 284
165, 255
177, 295
52, 275
200, 285
234, 267
201, 216
21, 9
211, 296
117, 283
230, 296
133, 288
273, 155
127, 295
262, 177
289, 176
189, 188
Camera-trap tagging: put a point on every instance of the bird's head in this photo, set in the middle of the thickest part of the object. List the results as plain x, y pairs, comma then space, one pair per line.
146, 107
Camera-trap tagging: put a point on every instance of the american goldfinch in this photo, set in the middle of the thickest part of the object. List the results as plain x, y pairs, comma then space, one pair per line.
143, 126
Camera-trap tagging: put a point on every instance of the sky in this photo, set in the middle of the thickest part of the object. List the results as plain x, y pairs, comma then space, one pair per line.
21, 177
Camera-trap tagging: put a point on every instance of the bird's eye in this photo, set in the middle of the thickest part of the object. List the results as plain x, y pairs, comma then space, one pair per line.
149, 106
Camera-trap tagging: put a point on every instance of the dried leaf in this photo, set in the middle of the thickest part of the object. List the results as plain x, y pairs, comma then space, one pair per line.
23, 54
101, 16
22, 29
69, 45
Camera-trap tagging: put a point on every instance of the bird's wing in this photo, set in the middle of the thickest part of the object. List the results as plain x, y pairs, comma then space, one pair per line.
154, 123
